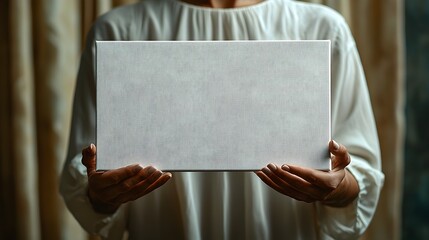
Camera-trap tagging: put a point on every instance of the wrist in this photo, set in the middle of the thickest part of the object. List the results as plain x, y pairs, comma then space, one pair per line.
346, 192
101, 206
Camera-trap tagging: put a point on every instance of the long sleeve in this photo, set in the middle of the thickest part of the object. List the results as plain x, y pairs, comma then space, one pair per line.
74, 182
354, 126
232, 205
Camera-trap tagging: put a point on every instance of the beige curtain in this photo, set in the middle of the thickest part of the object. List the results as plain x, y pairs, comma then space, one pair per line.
378, 29
380, 37
40, 47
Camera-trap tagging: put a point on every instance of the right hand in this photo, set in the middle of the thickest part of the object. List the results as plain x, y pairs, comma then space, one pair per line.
107, 190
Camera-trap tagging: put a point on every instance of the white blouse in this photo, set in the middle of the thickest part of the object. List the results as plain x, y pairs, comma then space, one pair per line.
231, 205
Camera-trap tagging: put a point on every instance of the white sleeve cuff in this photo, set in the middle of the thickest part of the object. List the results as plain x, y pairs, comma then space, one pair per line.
350, 222
74, 186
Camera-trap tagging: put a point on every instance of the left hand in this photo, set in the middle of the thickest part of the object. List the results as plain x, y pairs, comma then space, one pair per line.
335, 188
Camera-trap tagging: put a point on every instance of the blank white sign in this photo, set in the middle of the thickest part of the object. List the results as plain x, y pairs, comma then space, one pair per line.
213, 106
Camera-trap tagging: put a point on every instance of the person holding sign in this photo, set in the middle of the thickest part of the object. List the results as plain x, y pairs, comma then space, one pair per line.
276, 202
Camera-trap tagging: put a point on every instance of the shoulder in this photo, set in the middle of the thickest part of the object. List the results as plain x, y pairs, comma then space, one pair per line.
316, 21
121, 22
316, 12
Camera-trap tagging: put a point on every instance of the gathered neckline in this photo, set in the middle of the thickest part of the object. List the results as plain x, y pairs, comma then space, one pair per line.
222, 10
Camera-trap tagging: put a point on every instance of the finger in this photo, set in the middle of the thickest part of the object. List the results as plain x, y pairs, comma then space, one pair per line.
113, 177
158, 183
279, 185
341, 157
298, 183
89, 159
143, 185
142, 188
128, 184
268, 181
324, 180
131, 182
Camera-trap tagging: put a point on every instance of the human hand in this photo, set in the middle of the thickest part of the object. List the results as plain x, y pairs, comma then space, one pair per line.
107, 190
335, 188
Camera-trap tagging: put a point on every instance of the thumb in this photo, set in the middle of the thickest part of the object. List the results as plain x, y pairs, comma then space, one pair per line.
89, 158
341, 157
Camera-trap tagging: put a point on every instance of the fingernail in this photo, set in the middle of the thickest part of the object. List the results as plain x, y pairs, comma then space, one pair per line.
137, 168
272, 167
151, 170
265, 170
285, 167
336, 145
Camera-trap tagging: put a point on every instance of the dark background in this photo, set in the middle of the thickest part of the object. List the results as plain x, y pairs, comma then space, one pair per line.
416, 173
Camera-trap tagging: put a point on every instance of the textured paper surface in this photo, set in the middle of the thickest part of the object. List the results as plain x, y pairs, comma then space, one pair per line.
213, 105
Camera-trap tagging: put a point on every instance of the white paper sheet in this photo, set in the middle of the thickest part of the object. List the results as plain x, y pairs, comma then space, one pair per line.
224, 105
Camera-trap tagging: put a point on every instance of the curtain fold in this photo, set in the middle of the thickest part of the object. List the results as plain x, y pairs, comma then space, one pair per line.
55, 47
22, 127
7, 195
378, 27
39, 56
381, 37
